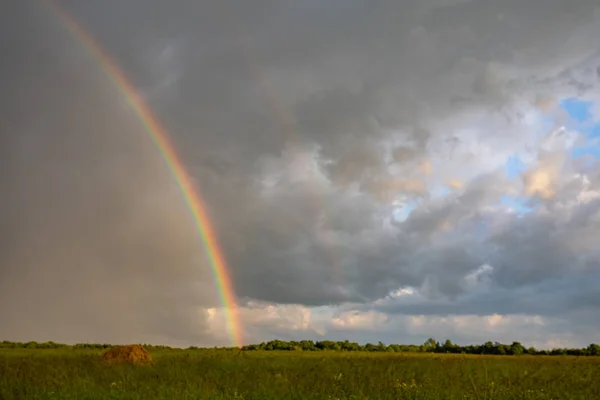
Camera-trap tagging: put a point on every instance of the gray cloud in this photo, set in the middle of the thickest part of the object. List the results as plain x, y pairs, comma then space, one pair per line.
302, 123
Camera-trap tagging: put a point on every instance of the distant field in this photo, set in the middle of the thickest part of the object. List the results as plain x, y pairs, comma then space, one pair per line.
219, 374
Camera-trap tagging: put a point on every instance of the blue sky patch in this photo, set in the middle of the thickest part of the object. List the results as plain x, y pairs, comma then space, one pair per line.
592, 149
401, 213
581, 120
580, 111
514, 166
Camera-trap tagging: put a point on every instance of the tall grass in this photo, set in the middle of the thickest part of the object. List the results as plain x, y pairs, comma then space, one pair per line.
219, 374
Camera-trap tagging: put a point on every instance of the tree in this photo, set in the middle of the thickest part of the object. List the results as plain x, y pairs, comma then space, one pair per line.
488, 348
450, 347
430, 345
307, 345
370, 347
593, 350
517, 348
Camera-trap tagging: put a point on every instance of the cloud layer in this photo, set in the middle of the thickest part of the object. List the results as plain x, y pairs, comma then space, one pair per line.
352, 155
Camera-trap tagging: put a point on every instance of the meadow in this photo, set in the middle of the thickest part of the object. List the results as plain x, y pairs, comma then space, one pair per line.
79, 374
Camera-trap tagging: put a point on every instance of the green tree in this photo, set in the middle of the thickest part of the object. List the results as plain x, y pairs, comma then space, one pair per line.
370, 347
593, 350
450, 347
430, 345
517, 348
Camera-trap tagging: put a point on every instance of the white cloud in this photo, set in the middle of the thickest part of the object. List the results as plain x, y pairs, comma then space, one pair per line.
294, 323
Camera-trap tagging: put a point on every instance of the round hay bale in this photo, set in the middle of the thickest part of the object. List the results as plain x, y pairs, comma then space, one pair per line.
130, 354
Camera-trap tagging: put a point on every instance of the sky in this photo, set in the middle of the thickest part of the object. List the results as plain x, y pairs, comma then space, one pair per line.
375, 170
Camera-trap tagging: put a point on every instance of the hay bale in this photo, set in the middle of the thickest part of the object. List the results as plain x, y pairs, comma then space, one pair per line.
130, 354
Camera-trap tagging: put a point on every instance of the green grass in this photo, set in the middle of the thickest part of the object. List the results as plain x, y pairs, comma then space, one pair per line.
219, 374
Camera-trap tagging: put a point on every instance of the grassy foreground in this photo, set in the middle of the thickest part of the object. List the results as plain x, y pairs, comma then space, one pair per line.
220, 374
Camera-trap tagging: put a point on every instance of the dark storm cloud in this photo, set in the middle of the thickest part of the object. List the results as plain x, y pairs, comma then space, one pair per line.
300, 122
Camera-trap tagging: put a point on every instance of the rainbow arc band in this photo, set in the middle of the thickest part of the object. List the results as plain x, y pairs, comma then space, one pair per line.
158, 134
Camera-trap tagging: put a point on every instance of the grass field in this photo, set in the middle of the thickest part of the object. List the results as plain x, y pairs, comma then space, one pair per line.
220, 374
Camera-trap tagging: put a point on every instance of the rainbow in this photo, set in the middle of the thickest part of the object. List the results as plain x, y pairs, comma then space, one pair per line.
160, 137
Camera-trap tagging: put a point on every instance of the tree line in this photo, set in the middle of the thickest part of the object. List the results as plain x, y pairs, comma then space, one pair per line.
430, 346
